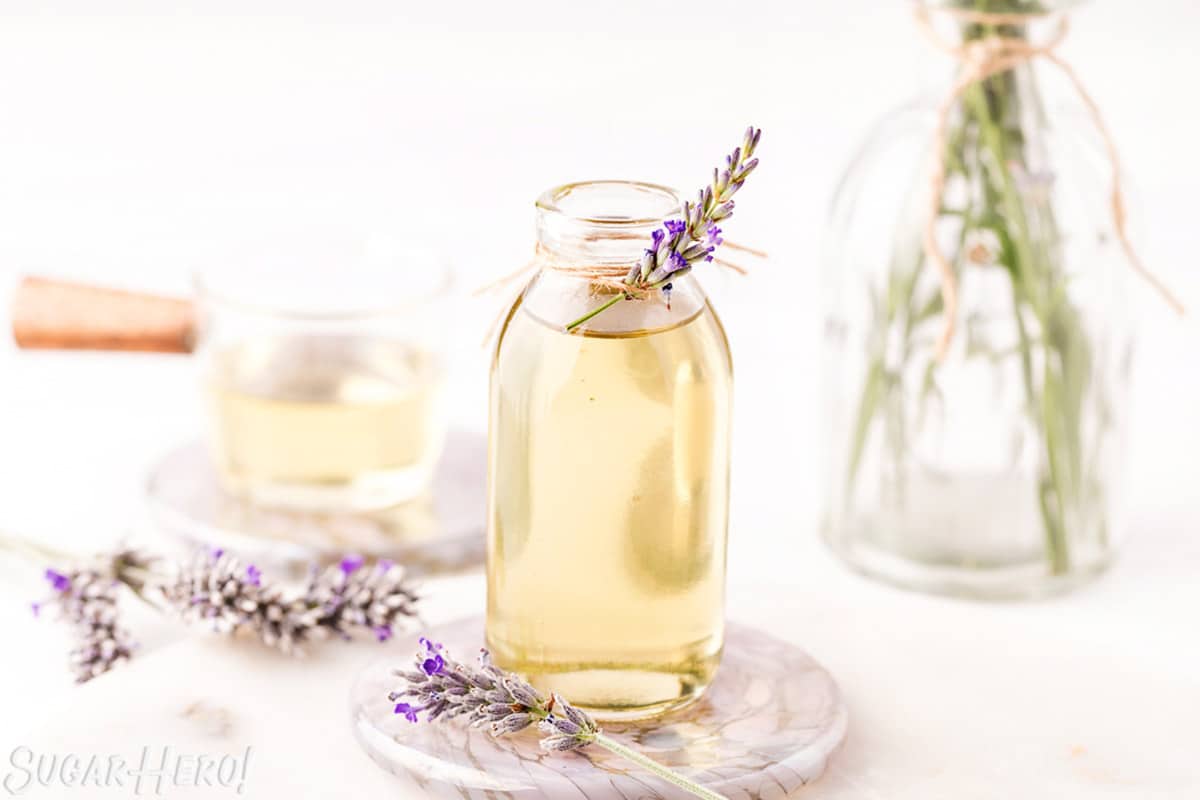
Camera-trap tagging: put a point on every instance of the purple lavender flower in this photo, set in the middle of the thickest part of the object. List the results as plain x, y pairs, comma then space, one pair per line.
675, 226
253, 575
382, 632
676, 262
351, 563
409, 711
713, 236
434, 663
58, 581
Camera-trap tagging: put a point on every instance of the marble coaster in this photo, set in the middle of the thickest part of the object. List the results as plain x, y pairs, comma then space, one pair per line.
768, 725
441, 532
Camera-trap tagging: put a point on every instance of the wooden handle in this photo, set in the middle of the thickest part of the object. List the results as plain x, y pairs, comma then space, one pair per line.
59, 315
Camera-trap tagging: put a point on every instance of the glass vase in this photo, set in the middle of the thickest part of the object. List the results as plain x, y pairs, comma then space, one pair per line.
986, 463
608, 469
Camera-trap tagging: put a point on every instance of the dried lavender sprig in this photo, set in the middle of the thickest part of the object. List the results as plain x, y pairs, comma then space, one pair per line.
682, 243
484, 694
339, 600
87, 599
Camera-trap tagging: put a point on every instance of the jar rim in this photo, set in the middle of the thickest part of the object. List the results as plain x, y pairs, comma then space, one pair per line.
551, 202
603, 221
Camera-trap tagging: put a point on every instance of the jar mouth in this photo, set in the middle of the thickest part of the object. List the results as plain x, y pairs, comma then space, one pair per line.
605, 221
611, 202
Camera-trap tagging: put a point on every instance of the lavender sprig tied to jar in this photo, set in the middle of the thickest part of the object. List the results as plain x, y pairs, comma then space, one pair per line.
218, 590
482, 694
682, 243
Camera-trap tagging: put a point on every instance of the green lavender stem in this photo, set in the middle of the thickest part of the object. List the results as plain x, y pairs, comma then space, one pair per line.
598, 738
629, 754
32, 550
598, 310
1023, 267
570, 326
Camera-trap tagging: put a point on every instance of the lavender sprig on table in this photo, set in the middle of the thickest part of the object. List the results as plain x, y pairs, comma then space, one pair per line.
87, 600
483, 694
217, 589
339, 600
680, 244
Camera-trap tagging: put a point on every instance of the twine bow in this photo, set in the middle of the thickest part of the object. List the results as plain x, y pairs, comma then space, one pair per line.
608, 276
605, 276
980, 59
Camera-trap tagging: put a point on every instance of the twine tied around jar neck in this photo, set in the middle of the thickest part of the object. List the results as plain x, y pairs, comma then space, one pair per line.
609, 276
979, 60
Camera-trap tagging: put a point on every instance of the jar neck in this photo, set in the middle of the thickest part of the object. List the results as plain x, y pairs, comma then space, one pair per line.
601, 222
589, 235
556, 298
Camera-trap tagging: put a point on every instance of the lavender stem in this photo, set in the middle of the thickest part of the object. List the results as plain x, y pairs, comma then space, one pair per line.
33, 550
573, 325
629, 754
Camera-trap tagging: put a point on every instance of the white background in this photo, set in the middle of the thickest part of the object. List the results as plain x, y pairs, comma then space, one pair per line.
137, 138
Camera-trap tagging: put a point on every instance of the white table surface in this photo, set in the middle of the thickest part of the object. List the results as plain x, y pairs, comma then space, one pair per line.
131, 141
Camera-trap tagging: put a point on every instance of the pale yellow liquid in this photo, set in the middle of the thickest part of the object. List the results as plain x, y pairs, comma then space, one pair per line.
339, 423
608, 499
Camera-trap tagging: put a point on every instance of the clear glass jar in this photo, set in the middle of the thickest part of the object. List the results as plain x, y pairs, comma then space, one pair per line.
994, 472
609, 470
321, 362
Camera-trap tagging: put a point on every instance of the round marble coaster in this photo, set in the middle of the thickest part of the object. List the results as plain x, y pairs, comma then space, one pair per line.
767, 725
440, 532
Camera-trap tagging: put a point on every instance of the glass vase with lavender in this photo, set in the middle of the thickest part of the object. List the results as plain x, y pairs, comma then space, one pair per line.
979, 339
